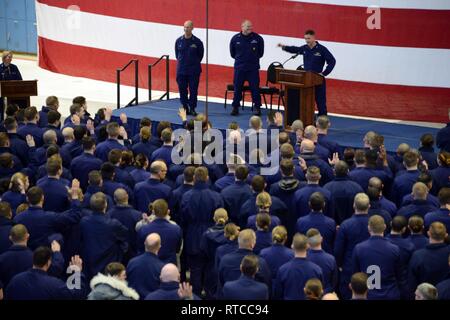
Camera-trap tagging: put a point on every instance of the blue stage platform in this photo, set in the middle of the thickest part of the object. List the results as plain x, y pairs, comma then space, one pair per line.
346, 131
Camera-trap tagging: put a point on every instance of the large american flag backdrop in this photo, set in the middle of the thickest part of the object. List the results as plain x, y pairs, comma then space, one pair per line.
398, 70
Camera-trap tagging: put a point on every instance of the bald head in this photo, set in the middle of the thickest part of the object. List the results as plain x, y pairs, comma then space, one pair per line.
330, 296
376, 183
67, 133
246, 27
420, 191
307, 146
170, 273
152, 243
121, 196
50, 137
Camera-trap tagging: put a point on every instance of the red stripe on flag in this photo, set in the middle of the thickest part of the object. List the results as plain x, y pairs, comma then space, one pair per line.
399, 27
345, 97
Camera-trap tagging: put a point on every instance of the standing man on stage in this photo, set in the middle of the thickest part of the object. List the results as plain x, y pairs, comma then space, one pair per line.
189, 53
314, 57
246, 48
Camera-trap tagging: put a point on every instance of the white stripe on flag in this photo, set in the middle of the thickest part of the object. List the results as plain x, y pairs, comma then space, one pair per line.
363, 63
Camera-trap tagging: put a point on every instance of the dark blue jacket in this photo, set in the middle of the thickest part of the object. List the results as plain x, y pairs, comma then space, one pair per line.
223, 182
343, 192
197, 211
129, 217
56, 195
166, 291
92, 190
379, 251
229, 268
276, 255
362, 175
387, 205
5, 228
443, 289
59, 135
431, 199
43, 117
163, 153
143, 273
171, 238
274, 221
325, 225
13, 261
175, 202
82, 165
40, 156
42, 224
314, 58
292, 277
212, 238
440, 179
103, 148
263, 240
325, 141
36, 284
428, 265
148, 191
443, 138
429, 156
110, 186
103, 240
302, 199
19, 147
139, 175
74, 148
234, 196
246, 51
418, 240
403, 184
221, 251
147, 148
10, 72
406, 250
441, 215
14, 199
189, 53
351, 232
327, 263
34, 130
124, 177
416, 208
245, 288
326, 172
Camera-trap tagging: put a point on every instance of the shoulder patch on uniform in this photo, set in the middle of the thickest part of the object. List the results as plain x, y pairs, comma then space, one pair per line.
254, 41
317, 54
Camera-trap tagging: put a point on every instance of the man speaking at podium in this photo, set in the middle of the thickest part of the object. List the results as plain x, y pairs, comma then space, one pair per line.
314, 57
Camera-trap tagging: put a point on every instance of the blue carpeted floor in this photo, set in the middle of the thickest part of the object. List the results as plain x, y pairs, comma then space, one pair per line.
346, 131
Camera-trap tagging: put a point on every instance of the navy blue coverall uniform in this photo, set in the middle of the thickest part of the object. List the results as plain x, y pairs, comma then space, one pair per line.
10, 72
246, 52
189, 53
314, 60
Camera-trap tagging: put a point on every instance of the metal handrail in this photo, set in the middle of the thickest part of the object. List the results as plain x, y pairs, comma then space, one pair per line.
136, 82
150, 68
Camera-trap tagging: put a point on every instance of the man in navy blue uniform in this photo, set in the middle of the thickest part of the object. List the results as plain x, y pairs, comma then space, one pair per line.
307, 153
229, 266
316, 219
103, 239
82, 165
43, 224
427, 179
189, 53
293, 275
246, 287
323, 124
237, 193
416, 229
246, 48
112, 142
31, 127
443, 213
443, 287
148, 191
128, 216
315, 56
8, 71
164, 152
197, 209
343, 192
431, 263
405, 180
18, 145
6, 223
378, 251
406, 247
170, 233
419, 206
51, 103
143, 271
37, 284
177, 194
351, 232
324, 260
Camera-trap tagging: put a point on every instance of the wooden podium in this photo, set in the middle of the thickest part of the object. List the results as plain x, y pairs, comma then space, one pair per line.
17, 91
299, 94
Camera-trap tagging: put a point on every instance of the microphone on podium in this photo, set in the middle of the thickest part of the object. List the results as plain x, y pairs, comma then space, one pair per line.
291, 58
